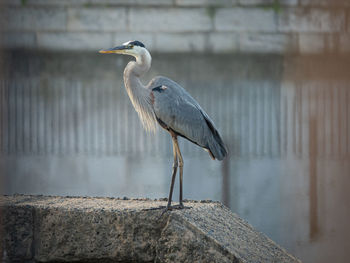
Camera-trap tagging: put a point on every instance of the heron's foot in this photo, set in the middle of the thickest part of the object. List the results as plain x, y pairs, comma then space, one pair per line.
179, 206
173, 207
167, 208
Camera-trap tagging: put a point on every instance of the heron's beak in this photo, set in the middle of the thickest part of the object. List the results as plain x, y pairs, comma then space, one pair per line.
114, 50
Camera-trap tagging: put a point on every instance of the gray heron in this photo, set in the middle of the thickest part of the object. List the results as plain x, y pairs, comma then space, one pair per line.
165, 102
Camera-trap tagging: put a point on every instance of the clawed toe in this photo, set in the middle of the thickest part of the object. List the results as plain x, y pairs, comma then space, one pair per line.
166, 209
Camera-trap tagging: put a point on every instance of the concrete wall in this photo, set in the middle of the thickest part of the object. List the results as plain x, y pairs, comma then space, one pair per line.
306, 26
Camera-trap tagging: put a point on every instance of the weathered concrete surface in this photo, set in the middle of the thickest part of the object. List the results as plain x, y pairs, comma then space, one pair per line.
51, 229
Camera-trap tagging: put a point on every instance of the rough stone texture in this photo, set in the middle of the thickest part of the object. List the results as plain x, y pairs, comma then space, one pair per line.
48, 229
17, 232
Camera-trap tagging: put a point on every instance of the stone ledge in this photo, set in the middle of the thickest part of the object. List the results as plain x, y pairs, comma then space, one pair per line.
51, 229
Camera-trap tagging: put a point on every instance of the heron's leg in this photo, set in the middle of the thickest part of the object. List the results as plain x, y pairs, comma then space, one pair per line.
181, 165
174, 170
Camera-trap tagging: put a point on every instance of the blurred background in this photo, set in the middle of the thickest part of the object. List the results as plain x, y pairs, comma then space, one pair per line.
273, 75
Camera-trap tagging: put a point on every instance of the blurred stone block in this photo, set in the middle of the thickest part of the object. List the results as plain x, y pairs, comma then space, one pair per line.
184, 42
255, 2
311, 43
33, 19
18, 40
169, 20
10, 2
314, 20
87, 2
245, 19
133, 2
265, 43
205, 2
74, 41
97, 19
325, 2
268, 2
344, 43
56, 2
331, 43
288, 2
224, 42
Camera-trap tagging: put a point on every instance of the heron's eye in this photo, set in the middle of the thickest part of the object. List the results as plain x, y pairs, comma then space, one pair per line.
130, 46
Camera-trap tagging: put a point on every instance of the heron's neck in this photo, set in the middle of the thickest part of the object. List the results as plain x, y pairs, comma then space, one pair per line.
139, 95
136, 69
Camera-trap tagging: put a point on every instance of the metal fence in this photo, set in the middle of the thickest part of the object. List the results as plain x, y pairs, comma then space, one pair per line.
41, 116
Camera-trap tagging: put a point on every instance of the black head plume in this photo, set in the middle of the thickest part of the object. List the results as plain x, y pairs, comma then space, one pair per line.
137, 43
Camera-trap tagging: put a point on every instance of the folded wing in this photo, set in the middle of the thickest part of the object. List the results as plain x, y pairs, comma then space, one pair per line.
175, 109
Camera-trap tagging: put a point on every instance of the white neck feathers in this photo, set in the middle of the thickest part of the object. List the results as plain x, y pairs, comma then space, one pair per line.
139, 95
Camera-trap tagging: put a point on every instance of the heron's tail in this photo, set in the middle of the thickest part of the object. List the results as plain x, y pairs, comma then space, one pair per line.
216, 145
217, 149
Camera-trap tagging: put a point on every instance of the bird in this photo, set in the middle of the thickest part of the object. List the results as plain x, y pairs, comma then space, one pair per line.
163, 101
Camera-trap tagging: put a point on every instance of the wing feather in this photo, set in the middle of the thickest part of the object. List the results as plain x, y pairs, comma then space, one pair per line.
176, 108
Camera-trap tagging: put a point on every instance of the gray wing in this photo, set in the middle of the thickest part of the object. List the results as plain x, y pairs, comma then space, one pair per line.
175, 108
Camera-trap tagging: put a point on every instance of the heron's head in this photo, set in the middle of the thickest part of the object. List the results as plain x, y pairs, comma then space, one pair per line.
132, 48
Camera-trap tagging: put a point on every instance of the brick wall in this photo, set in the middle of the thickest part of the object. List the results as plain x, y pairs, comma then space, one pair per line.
305, 26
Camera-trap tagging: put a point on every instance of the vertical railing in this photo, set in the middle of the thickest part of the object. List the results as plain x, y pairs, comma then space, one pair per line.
256, 119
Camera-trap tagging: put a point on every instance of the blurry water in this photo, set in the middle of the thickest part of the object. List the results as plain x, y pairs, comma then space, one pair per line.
68, 128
